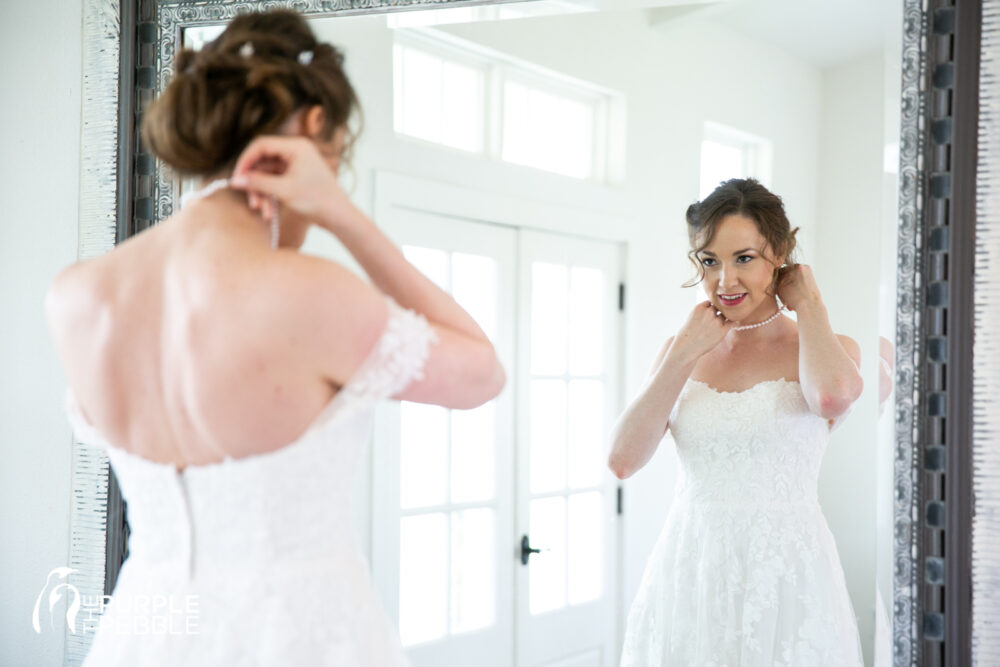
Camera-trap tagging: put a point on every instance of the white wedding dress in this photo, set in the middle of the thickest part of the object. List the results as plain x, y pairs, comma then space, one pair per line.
265, 542
745, 571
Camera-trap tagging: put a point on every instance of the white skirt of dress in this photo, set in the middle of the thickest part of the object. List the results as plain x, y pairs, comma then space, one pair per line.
743, 585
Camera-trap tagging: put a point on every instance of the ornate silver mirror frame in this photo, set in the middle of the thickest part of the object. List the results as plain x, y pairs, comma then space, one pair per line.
127, 58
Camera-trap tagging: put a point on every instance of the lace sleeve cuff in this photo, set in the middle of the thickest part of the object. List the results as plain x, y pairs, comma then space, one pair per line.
398, 357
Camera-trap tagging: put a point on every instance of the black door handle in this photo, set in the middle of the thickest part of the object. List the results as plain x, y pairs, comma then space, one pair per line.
526, 550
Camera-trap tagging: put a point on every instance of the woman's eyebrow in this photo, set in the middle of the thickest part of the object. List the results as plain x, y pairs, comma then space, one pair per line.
738, 252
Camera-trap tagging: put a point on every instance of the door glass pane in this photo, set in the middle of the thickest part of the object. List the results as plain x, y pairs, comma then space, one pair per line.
473, 570
548, 318
586, 547
430, 262
474, 278
547, 435
586, 433
473, 454
547, 573
423, 578
423, 455
586, 325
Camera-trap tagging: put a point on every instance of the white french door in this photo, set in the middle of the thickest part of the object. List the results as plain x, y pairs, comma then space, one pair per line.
460, 497
568, 394
443, 512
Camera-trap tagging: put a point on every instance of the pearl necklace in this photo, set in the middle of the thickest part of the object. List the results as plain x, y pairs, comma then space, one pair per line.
760, 324
222, 184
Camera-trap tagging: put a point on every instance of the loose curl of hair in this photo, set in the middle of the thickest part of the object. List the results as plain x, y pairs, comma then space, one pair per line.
748, 198
220, 99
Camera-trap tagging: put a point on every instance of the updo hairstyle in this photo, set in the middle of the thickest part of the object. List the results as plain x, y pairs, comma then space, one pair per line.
748, 198
246, 83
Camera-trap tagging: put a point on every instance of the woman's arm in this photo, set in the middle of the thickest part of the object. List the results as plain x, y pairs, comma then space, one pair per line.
642, 425
639, 429
828, 363
829, 374
462, 370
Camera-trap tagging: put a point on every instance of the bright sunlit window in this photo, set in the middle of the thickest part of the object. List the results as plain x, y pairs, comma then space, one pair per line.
437, 99
463, 96
730, 153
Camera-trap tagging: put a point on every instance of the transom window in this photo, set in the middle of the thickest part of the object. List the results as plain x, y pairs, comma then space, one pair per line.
464, 96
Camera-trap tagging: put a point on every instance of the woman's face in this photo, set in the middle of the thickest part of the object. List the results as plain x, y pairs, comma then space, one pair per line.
738, 276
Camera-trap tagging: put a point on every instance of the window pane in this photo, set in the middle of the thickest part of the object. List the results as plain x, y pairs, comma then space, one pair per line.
586, 547
548, 131
423, 455
547, 574
430, 262
473, 573
473, 454
586, 433
423, 578
719, 162
586, 310
475, 288
547, 440
516, 124
548, 318
461, 107
421, 95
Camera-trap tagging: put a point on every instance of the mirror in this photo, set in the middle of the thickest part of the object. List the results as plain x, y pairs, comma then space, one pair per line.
536, 158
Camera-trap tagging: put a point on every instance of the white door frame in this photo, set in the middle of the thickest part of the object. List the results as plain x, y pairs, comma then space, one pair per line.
399, 191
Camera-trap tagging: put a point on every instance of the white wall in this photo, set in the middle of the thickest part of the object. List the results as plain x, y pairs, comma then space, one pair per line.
847, 267
39, 177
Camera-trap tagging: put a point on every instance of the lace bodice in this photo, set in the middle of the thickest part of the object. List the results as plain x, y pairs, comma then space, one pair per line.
267, 541
761, 445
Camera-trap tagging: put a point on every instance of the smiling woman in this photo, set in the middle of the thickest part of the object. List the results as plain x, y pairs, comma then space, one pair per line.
745, 525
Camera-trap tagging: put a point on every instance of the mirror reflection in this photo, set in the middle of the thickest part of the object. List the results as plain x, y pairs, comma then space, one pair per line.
562, 171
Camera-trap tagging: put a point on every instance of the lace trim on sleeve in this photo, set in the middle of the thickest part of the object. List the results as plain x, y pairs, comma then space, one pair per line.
398, 357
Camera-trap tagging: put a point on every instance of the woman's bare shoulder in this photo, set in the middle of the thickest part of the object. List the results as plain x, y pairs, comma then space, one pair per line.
333, 314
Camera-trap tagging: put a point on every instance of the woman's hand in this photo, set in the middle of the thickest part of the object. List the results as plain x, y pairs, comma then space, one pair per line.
704, 329
291, 170
797, 286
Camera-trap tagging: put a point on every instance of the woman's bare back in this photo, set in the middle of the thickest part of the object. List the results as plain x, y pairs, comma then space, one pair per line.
174, 348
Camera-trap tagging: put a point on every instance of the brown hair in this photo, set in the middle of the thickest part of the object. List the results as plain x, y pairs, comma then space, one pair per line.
245, 83
746, 197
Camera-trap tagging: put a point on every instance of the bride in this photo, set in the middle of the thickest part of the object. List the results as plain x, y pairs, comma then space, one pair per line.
231, 379
745, 571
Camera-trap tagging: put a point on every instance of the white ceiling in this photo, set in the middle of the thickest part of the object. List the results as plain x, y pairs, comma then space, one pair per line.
824, 32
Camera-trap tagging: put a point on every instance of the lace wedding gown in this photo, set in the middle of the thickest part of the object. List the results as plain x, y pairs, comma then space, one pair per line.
266, 542
745, 571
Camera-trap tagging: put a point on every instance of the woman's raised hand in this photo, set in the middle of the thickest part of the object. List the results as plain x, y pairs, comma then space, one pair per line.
292, 170
797, 286
703, 330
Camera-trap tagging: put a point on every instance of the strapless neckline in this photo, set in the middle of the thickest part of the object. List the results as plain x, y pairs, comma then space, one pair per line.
779, 381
